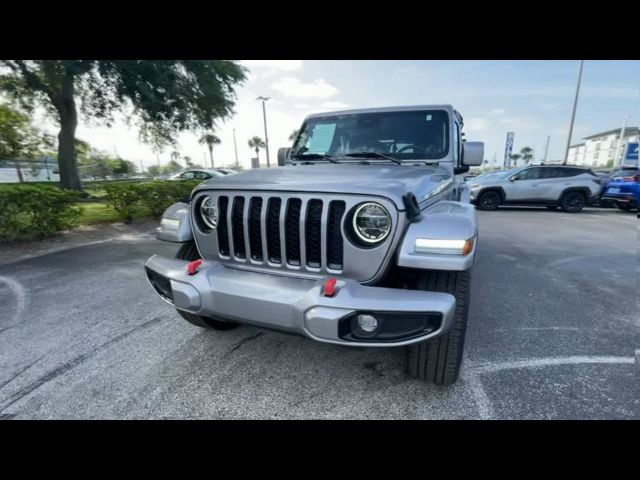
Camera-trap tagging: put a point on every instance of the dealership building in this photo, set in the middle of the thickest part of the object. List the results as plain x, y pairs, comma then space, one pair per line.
599, 149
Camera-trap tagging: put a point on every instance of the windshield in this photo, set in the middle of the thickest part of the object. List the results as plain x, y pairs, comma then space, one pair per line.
409, 135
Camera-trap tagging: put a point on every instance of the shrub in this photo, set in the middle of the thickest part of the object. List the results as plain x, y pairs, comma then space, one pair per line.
36, 210
149, 198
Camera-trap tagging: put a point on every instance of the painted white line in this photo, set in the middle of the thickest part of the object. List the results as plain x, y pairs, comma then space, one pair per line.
21, 296
473, 373
551, 361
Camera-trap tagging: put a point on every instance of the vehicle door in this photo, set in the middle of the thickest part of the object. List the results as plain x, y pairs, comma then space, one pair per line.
524, 185
553, 180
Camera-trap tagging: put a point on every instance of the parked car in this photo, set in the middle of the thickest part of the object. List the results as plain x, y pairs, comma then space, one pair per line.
364, 237
226, 171
623, 190
197, 174
553, 186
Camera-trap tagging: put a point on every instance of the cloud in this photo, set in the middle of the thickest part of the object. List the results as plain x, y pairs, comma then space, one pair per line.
477, 124
281, 65
294, 87
334, 105
497, 111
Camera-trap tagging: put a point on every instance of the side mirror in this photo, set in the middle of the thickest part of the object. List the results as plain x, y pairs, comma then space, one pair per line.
283, 155
473, 153
513, 178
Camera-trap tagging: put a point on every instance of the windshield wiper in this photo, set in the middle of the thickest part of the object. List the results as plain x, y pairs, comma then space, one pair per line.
373, 155
309, 156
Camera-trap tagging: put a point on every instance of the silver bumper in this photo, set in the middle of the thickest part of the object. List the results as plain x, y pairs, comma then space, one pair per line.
293, 304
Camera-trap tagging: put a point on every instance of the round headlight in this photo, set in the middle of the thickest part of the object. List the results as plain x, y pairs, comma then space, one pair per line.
209, 212
371, 222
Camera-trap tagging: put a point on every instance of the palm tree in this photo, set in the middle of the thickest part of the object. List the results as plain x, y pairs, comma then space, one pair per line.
527, 154
175, 156
187, 160
515, 157
293, 135
256, 143
210, 140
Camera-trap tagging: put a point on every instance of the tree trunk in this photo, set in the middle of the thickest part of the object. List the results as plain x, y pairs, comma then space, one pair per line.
211, 155
19, 172
66, 106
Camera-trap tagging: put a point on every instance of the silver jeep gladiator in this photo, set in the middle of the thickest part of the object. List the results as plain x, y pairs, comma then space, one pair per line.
363, 236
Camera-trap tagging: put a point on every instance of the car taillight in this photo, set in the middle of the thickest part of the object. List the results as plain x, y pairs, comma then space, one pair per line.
629, 179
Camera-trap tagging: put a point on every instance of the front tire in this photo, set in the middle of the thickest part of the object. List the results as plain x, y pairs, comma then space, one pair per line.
489, 200
188, 251
573, 202
438, 360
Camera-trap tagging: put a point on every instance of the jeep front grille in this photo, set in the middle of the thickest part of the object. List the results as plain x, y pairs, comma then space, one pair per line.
288, 232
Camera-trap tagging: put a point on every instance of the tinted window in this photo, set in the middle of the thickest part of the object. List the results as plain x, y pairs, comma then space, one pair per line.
187, 175
201, 175
530, 174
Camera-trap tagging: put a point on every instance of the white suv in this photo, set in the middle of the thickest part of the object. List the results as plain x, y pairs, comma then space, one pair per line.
553, 186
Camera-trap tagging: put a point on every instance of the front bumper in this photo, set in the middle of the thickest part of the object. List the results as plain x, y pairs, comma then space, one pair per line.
298, 305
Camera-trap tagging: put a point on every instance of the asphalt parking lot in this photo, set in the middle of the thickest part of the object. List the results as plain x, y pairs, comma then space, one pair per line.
554, 333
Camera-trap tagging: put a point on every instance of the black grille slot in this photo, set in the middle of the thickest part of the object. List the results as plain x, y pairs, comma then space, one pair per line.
273, 230
223, 231
313, 236
334, 236
238, 227
255, 237
292, 231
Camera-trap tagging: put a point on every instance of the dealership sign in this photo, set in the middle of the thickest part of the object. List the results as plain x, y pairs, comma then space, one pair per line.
631, 154
508, 148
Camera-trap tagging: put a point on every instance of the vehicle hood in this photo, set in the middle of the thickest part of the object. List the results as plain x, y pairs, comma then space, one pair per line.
386, 180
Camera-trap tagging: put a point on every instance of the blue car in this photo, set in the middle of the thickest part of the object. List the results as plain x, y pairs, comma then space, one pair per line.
623, 190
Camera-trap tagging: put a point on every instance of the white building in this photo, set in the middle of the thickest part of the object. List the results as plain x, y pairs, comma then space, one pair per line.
599, 150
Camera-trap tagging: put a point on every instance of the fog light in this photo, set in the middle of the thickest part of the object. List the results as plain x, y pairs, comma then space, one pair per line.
367, 323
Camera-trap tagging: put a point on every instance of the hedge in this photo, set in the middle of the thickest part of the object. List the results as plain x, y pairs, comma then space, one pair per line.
36, 210
150, 198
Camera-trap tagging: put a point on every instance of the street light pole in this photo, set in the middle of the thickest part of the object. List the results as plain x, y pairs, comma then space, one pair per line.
546, 149
264, 116
235, 146
620, 140
573, 115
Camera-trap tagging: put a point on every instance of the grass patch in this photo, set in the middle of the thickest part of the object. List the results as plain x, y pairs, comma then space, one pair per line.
96, 212
101, 212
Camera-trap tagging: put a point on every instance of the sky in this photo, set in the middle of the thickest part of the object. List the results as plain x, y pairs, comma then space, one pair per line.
531, 98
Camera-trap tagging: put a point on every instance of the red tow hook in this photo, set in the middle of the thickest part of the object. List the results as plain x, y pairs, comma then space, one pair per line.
192, 267
329, 287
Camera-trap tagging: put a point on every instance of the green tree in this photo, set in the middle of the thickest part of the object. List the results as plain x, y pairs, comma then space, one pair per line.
293, 135
154, 170
515, 157
187, 161
18, 139
167, 96
210, 140
171, 167
527, 154
175, 156
256, 143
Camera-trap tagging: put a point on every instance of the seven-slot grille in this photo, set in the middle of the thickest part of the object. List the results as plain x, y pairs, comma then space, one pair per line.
288, 232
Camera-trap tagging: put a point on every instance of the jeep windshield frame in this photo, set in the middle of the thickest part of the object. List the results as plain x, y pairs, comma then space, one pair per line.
407, 136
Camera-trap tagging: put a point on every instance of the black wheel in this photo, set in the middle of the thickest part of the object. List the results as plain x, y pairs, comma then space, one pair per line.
573, 202
626, 208
490, 200
438, 360
188, 251
552, 207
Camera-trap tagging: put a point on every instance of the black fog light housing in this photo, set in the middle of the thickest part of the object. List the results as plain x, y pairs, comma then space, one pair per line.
380, 327
161, 284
